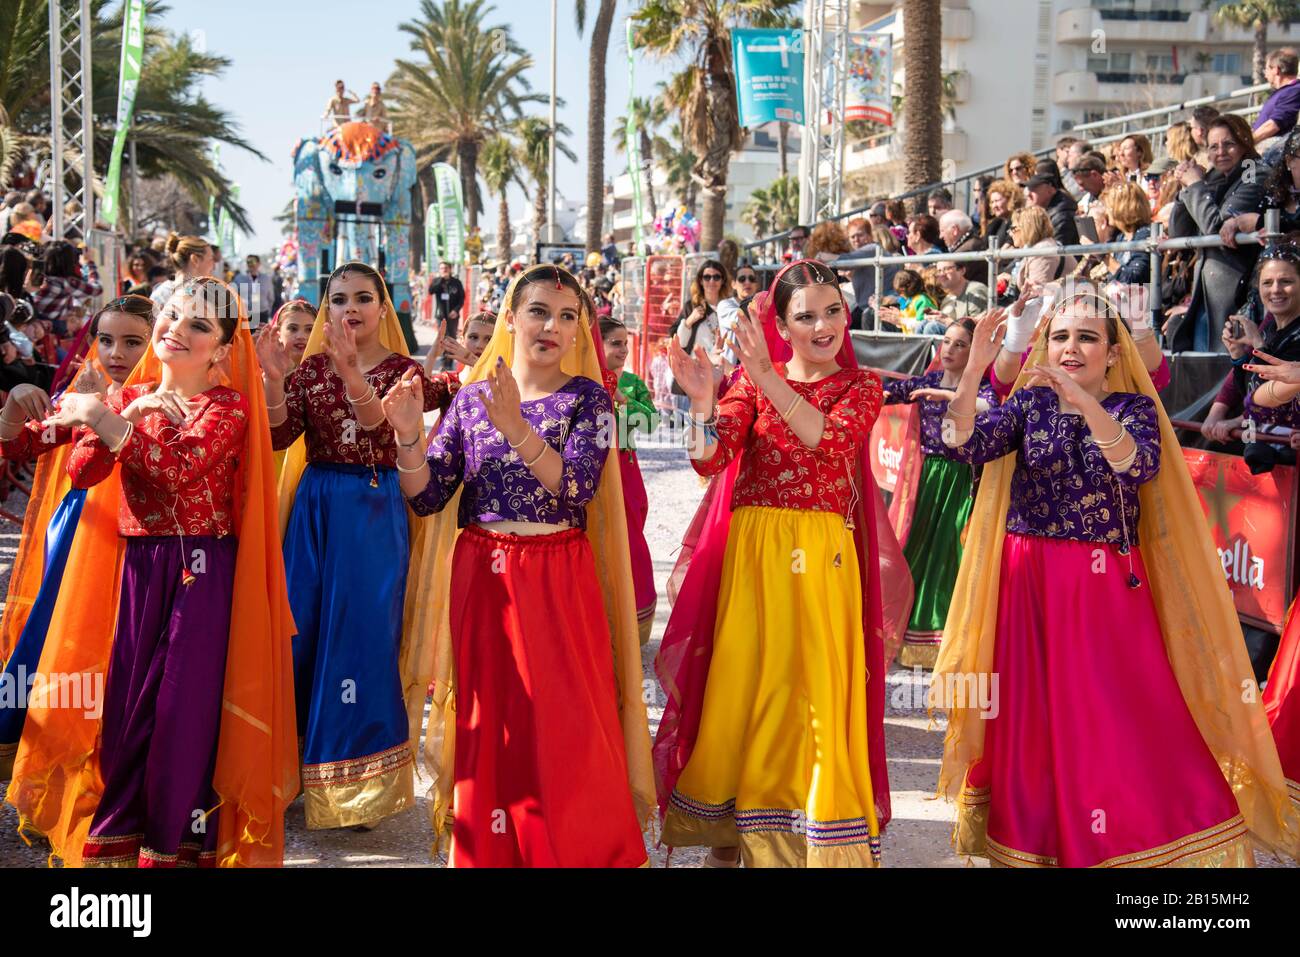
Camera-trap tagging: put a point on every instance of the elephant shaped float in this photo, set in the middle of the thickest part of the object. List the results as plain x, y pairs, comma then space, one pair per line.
352, 191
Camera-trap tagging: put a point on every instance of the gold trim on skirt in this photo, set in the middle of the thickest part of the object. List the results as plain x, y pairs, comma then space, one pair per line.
920, 651
359, 791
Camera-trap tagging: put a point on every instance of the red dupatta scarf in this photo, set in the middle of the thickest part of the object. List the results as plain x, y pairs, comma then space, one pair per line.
686, 650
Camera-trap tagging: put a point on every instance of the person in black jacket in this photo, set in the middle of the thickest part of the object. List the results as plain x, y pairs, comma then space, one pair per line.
1234, 187
448, 295
1045, 192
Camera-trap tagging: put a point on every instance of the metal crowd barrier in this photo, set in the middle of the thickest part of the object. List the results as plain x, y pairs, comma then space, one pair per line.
1153, 247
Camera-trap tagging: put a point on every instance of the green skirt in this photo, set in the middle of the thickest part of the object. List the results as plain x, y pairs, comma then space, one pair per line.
933, 553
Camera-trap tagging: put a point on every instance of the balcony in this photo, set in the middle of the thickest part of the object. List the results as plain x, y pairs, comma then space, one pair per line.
1077, 87
1085, 24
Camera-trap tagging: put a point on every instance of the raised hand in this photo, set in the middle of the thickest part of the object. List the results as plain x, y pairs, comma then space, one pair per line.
75, 410
404, 404
273, 357
169, 404
987, 340
341, 347
750, 344
1274, 369
694, 373
1059, 381
501, 402
32, 401
90, 380
938, 395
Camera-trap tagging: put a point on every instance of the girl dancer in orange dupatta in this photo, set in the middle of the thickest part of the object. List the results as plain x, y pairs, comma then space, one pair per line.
197, 712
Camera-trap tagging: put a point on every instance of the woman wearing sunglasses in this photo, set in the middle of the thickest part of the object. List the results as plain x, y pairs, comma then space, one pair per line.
698, 323
729, 309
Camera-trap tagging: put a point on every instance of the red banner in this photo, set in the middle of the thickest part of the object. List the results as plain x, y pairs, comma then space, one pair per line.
1251, 518
887, 445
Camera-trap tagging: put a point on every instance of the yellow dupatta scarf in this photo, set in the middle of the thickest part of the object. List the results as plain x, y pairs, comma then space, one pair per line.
415, 658
1197, 619
607, 532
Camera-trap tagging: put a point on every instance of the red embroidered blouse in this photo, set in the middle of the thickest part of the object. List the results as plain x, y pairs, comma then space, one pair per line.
316, 403
176, 480
34, 441
779, 471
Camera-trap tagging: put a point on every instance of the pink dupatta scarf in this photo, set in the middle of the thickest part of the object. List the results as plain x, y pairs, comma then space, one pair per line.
686, 650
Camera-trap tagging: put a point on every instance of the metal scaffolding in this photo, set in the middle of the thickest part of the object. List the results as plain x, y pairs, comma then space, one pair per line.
821, 159
72, 144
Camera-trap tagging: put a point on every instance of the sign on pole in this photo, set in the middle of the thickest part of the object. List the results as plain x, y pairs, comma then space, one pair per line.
769, 67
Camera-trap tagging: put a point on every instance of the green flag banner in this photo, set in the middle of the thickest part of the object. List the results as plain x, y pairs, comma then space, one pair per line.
432, 235
129, 79
634, 158
451, 222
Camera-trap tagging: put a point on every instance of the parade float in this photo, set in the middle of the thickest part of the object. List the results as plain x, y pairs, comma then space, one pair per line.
352, 201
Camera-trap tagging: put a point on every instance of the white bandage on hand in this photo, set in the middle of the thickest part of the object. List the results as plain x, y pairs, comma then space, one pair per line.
1020, 329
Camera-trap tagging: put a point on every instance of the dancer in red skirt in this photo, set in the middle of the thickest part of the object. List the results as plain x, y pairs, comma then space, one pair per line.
551, 749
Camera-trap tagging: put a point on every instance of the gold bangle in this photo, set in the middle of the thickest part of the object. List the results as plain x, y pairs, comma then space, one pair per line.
1111, 443
521, 441
785, 416
952, 413
363, 400
279, 405
1272, 390
402, 468
121, 443
538, 456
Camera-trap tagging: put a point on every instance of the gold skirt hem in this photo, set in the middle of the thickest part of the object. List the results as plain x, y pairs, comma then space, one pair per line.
367, 801
1226, 844
764, 848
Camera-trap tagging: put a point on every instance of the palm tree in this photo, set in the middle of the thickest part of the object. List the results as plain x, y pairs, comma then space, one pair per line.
500, 167
648, 114
922, 84
678, 164
534, 135
700, 32
596, 117
1258, 14
774, 208
469, 84
174, 124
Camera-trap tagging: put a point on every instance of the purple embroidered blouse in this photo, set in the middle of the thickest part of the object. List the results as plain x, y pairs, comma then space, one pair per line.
1063, 487
577, 421
932, 410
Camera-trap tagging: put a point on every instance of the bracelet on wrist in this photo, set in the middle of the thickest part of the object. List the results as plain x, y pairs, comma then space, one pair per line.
1105, 444
955, 414
413, 469
121, 443
538, 457
411, 444
279, 405
528, 434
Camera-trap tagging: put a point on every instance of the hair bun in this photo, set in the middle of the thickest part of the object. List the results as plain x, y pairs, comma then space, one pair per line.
173, 243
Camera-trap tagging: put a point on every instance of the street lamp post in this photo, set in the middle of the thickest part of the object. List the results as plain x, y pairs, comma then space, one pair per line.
550, 223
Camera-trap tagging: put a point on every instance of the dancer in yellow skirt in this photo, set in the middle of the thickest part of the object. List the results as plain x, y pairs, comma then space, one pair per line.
787, 763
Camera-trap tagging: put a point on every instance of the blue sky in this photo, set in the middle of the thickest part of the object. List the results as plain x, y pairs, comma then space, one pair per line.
287, 54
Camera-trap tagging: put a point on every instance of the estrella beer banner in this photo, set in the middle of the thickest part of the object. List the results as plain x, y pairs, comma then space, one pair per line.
128, 80
1252, 519
887, 438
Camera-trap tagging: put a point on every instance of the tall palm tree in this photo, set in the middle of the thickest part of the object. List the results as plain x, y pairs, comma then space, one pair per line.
700, 32
1258, 14
500, 166
922, 83
596, 117
174, 124
648, 114
678, 164
534, 136
468, 84
773, 208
